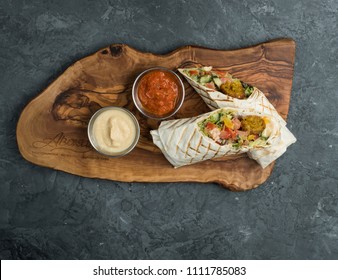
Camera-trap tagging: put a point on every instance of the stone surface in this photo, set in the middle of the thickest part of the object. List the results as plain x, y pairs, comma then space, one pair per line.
47, 214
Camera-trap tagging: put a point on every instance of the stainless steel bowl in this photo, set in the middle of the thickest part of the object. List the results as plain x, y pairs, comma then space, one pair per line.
91, 135
179, 101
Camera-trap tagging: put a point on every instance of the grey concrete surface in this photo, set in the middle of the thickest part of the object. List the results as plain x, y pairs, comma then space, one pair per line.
47, 214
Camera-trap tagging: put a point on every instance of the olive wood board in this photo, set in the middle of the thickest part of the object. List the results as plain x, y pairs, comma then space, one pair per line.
52, 129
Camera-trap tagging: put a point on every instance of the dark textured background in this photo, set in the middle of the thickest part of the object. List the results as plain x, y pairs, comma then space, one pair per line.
50, 214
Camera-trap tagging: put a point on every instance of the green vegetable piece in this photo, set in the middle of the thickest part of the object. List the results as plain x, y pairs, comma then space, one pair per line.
214, 118
205, 79
217, 81
248, 90
194, 77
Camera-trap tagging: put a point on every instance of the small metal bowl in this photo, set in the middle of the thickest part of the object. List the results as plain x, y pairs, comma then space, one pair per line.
91, 135
179, 101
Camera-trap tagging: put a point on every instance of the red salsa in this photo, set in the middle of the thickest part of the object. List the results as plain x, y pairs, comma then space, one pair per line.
158, 92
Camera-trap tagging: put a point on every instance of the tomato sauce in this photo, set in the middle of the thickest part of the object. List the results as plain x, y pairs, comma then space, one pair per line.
158, 92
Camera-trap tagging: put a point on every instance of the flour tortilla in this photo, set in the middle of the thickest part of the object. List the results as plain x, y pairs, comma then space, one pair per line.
182, 142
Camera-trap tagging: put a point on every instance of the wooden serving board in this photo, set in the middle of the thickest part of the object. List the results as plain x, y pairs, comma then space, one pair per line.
52, 131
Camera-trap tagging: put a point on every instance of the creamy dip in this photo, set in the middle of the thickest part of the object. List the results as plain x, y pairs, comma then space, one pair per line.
114, 131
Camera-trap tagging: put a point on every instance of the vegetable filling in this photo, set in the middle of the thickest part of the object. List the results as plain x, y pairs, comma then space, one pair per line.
226, 127
220, 81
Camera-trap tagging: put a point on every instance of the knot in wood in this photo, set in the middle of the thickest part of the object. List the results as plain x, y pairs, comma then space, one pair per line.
116, 50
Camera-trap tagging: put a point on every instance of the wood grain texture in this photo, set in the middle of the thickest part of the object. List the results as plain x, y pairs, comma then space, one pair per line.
52, 132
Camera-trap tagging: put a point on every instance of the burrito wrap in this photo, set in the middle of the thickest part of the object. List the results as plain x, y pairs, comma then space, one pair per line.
182, 141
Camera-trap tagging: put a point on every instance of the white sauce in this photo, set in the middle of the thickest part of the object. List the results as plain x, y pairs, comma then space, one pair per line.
114, 131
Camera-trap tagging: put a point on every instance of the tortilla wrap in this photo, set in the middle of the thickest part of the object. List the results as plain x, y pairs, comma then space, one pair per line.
183, 143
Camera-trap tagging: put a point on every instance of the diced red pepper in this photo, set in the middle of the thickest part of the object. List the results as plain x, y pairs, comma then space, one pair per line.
210, 85
228, 133
221, 74
193, 72
210, 126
